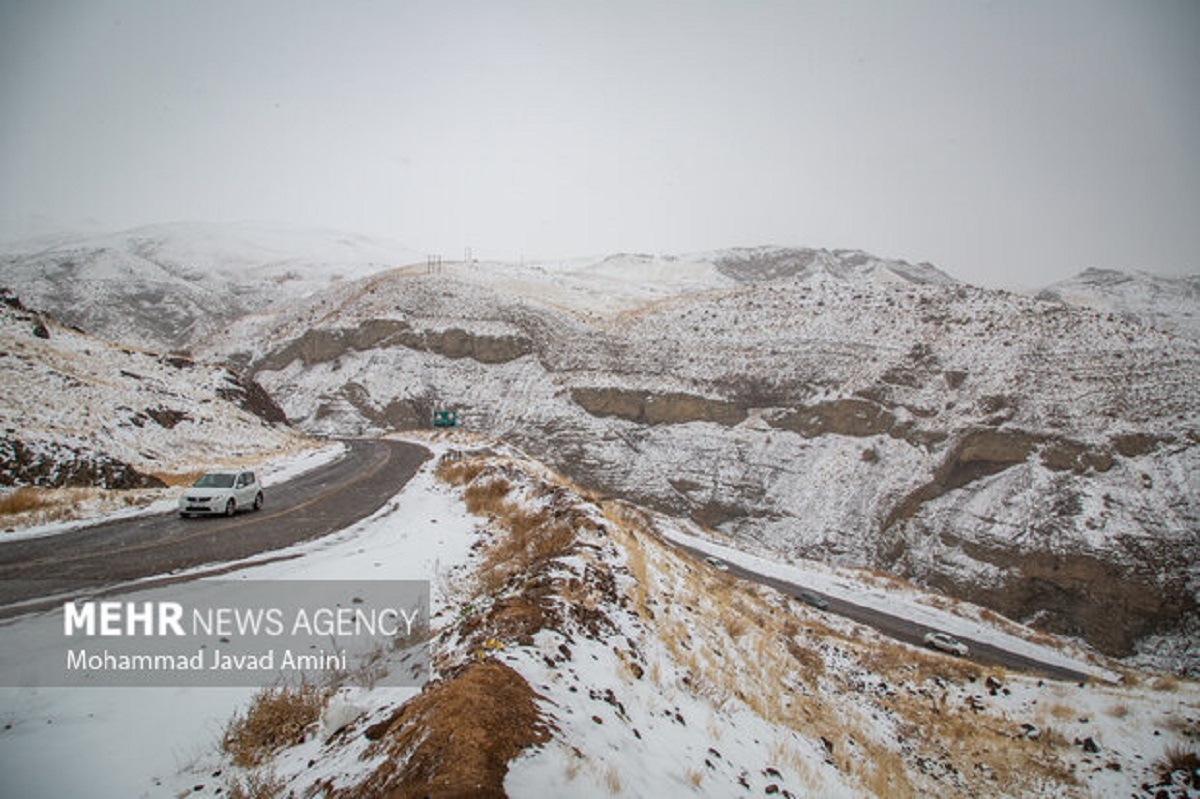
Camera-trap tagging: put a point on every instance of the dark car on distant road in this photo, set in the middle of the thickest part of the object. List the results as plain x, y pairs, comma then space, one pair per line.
946, 643
816, 600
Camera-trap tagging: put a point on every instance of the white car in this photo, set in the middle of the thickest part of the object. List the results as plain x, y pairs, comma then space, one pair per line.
716, 563
221, 492
946, 643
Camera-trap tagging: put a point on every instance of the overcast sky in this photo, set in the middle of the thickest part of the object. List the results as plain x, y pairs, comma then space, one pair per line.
1010, 143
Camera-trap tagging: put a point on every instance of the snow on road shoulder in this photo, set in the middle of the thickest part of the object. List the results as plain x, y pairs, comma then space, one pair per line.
275, 469
904, 602
134, 742
417, 535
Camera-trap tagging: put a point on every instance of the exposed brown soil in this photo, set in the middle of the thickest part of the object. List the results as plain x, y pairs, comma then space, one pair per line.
456, 738
985, 451
651, 408
1077, 594
53, 465
245, 392
321, 346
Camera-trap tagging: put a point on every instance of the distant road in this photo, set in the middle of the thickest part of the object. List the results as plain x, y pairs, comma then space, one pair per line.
903, 629
313, 504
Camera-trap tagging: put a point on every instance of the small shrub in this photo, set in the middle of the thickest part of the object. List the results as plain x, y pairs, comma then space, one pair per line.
459, 472
612, 779
1130, 679
487, 496
1052, 738
23, 500
277, 717
1165, 682
1176, 760
1119, 711
258, 785
1062, 712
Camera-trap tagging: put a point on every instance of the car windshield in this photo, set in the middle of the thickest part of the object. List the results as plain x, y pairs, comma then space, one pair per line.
214, 481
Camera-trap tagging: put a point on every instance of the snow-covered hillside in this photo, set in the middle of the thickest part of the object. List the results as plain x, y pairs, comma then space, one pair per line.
1167, 303
1035, 456
170, 286
79, 411
575, 652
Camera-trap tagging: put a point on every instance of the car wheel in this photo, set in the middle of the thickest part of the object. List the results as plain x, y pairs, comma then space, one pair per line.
258, 501
230, 507
182, 515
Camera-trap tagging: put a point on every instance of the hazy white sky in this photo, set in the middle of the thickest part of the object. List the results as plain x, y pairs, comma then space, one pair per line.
1011, 143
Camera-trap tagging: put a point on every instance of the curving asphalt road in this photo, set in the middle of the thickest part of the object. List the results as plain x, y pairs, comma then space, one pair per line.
903, 629
313, 504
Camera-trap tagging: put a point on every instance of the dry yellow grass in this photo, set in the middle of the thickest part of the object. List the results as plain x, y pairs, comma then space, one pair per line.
1062, 712
533, 537
178, 479
612, 779
256, 785
459, 471
486, 496
24, 500
735, 645
885, 775
530, 534
277, 717
731, 642
1118, 711
1165, 682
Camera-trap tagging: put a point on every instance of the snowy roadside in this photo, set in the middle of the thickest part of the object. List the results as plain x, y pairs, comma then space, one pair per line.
131, 742
277, 469
906, 603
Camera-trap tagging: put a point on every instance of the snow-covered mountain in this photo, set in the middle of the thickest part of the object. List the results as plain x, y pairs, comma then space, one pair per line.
1031, 455
1167, 303
76, 410
766, 405
1035, 457
170, 286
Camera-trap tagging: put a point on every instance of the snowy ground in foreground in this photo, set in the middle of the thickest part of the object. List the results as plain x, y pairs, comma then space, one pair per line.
657, 736
126, 742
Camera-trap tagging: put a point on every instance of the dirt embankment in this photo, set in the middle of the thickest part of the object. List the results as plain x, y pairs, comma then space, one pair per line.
646, 407
52, 465
455, 739
322, 345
